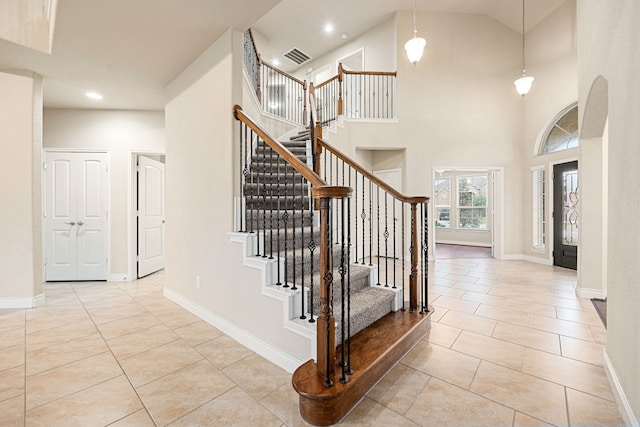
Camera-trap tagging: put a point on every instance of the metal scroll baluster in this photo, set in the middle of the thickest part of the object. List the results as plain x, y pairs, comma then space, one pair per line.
242, 177
271, 204
312, 248
285, 217
355, 187
421, 228
279, 283
370, 224
349, 371
302, 247
264, 199
425, 257
253, 188
364, 217
386, 242
342, 271
378, 230
394, 243
403, 248
326, 306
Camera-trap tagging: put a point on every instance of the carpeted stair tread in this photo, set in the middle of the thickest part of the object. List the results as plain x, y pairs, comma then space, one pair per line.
367, 306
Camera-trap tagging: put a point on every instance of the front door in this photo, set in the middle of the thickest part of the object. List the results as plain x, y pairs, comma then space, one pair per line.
565, 215
150, 216
75, 216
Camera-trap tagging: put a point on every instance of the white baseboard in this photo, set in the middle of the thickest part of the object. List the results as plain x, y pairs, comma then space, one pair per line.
537, 260
264, 349
118, 277
457, 242
624, 407
590, 293
24, 302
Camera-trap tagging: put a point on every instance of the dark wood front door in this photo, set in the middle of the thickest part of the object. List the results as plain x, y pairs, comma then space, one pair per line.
565, 215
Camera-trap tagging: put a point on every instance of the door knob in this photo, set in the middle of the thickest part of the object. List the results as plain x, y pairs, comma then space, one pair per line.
70, 223
80, 223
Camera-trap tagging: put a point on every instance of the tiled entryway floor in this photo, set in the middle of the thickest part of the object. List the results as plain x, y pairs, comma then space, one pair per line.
511, 344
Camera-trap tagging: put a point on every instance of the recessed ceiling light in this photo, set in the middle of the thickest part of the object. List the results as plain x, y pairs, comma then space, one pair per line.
94, 95
328, 28
344, 36
275, 61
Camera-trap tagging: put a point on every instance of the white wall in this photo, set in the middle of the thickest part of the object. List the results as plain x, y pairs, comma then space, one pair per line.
120, 133
456, 107
551, 49
379, 51
200, 188
20, 189
608, 48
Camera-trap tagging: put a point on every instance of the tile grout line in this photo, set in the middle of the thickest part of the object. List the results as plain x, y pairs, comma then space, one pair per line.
119, 365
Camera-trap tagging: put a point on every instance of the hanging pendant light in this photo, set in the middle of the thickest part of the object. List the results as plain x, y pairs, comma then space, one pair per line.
523, 84
415, 46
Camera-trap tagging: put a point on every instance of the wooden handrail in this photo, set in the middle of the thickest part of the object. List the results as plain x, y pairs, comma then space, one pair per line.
328, 81
395, 193
284, 73
372, 73
282, 151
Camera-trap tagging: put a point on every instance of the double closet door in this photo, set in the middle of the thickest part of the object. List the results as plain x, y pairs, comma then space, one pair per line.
75, 216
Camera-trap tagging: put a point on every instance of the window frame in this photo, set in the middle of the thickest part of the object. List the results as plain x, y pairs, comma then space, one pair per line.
538, 209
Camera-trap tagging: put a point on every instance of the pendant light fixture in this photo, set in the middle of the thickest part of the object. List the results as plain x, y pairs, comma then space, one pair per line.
415, 46
523, 84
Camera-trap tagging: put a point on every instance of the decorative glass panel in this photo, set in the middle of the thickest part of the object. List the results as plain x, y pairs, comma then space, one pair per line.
570, 201
563, 134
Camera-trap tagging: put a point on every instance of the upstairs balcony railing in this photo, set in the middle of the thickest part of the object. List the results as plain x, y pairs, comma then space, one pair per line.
369, 95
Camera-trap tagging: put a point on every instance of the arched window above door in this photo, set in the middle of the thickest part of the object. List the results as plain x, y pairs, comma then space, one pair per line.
563, 133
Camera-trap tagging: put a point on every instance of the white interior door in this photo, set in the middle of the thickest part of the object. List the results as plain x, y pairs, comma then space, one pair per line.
76, 216
150, 216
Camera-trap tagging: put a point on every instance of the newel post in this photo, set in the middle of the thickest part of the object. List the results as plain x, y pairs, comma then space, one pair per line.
340, 74
326, 323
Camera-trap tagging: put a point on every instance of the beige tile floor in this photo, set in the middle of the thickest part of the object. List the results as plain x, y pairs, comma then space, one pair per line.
511, 344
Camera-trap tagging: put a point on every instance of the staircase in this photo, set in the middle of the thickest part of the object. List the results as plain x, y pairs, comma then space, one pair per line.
278, 204
323, 248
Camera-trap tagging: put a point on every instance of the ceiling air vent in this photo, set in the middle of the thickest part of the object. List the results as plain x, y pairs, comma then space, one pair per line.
297, 56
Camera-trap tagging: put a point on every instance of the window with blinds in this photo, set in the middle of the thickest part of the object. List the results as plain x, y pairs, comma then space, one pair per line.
538, 208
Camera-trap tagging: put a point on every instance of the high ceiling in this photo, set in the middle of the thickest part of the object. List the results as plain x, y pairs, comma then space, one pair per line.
129, 50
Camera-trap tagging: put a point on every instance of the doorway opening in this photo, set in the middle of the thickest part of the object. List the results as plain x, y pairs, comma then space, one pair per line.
466, 212
147, 219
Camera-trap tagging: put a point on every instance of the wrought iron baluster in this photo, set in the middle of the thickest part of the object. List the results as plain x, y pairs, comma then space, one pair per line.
312, 248
425, 257
355, 187
403, 252
285, 217
422, 257
342, 271
302, 247
264, 198
378, 230
278, 235
254, 189
271, 204
370, 224
242, 178
349, 371
386, 242
395, 236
